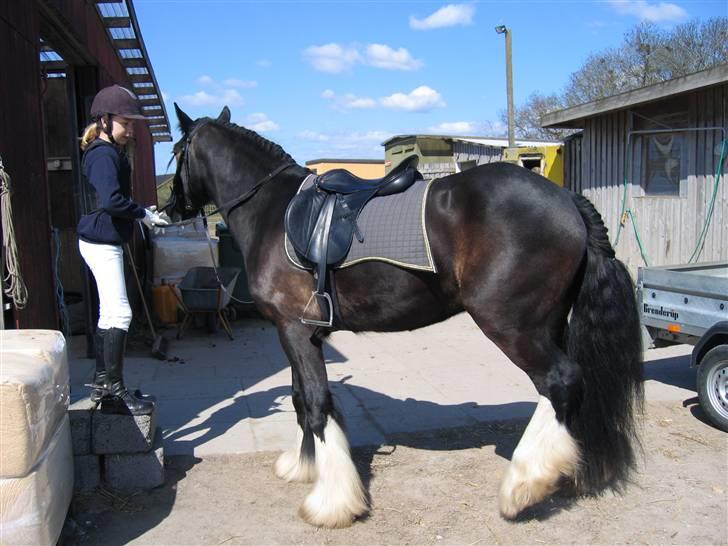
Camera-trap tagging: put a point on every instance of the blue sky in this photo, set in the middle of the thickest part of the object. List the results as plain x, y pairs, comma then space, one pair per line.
334, 79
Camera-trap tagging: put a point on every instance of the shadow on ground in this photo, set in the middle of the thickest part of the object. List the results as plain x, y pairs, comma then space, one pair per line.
104, 509
675, 371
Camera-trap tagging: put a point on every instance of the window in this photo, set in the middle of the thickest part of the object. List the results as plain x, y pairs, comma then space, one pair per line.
660, 149
664, 160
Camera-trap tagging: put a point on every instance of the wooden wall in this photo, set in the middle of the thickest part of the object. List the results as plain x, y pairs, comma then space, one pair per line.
75, 31
669, 227
22, 150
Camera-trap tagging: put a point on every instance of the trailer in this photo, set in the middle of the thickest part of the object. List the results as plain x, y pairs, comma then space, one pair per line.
689, 304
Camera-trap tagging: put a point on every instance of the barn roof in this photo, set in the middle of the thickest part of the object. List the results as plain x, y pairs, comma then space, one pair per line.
575, 116
122, 29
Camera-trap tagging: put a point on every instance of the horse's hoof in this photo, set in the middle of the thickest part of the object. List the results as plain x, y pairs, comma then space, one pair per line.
516, 496
291, 467
329, 519
521, 489
333, 508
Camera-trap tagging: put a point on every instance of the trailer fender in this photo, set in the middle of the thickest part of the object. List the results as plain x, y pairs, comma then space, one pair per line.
716, 335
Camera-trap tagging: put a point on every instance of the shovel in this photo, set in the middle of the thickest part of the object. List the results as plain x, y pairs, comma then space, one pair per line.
159, 345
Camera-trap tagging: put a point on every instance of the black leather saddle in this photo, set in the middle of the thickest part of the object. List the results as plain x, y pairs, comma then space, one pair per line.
321, 222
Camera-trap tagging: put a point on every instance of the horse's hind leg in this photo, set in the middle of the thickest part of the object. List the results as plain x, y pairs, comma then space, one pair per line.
338, 495
298, 464
547, 453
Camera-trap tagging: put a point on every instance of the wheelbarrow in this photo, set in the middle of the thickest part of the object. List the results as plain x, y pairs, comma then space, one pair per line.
207, 290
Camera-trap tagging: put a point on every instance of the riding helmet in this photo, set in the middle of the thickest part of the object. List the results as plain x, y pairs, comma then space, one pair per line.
116, 100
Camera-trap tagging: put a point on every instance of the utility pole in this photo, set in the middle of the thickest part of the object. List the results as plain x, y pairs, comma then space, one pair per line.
502, 29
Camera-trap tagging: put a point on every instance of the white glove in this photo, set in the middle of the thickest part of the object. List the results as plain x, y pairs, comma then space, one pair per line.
153, 218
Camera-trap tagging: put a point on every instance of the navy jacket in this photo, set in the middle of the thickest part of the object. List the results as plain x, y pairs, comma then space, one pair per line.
107, 177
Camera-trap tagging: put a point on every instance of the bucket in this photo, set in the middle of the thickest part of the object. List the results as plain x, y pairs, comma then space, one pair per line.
164, 303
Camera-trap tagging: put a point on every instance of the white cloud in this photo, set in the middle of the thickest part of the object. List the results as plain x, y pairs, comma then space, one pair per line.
363, 144
369, 136
260, 122
335, 58
348, 101
470, 128
244, 84
456, 128
449, 16
203, 98
165, 96
216, 93
332, 58
264, 63
313, 135
383, 56
421, 99
659, 12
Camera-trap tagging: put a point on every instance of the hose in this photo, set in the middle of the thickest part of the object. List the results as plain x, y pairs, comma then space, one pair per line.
13, 283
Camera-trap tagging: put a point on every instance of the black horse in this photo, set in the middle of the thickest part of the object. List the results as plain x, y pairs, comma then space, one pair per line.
531, 263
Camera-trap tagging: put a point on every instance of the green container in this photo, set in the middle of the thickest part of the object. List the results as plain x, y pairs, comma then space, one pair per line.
230, 256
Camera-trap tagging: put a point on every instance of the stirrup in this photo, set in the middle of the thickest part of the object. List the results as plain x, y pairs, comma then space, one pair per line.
313, 322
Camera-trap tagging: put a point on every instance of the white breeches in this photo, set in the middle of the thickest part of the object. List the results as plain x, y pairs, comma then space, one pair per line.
107, 265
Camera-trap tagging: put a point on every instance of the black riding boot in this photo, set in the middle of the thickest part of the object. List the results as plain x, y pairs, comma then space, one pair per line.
114, 347
98, 387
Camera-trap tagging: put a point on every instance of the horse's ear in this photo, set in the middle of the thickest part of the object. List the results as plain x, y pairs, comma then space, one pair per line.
185, 122
224, 115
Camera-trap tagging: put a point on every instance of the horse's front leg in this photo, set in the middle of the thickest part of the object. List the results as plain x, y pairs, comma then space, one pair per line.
338, 495
298, 464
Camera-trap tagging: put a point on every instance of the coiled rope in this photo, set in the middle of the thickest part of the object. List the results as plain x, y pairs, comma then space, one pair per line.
13, 283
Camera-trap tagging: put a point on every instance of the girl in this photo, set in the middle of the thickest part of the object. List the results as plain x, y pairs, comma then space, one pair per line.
103, 232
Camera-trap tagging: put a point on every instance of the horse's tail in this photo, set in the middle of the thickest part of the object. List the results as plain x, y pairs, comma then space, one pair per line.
604, 339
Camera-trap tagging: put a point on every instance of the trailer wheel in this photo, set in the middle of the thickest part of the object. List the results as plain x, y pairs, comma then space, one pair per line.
713, 386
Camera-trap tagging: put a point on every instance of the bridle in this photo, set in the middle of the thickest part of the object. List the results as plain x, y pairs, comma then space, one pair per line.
227, 206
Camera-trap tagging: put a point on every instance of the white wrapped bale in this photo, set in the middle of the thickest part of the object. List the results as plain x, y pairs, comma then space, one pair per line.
33, 508
34, 395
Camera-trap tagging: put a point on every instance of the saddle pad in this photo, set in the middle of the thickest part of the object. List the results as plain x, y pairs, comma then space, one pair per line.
393, 228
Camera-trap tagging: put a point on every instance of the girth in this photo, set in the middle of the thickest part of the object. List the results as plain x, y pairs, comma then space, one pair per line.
321, 222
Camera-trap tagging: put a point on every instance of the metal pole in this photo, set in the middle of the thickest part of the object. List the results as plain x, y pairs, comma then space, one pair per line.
509, 80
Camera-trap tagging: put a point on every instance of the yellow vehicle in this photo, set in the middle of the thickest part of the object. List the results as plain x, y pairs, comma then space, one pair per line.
545, 160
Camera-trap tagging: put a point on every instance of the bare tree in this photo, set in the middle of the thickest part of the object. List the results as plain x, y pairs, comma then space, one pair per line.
528, 117
647, 55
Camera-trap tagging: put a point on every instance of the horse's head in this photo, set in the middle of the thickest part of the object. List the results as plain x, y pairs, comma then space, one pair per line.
189, 191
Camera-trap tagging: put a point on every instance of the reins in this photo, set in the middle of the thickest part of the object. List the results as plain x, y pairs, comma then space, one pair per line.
226, 206
232, 203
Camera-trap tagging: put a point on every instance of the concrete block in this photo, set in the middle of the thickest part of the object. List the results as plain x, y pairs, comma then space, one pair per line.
80, 415
113, 433
87, 472
136, 471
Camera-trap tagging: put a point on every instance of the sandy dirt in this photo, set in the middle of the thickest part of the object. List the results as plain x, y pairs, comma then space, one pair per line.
431, 488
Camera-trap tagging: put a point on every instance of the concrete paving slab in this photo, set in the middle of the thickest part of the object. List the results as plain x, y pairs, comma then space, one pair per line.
210, 439
197, 411
218, 396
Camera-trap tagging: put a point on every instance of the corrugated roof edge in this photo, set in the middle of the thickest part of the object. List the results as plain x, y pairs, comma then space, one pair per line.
570, 117
487, 140
159, 121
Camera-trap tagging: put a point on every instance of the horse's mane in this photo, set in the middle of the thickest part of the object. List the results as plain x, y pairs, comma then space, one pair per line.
264, 144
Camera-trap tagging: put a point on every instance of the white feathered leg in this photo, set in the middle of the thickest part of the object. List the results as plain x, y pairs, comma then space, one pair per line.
338, 495
546, 452
295, 466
